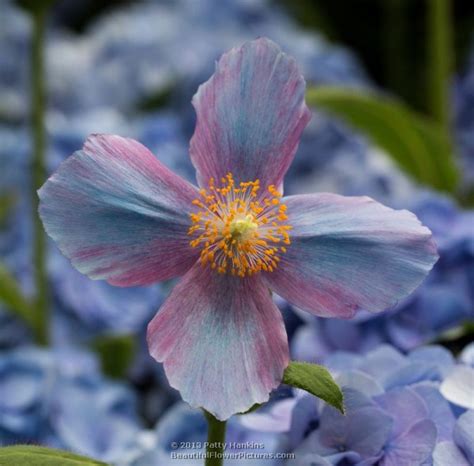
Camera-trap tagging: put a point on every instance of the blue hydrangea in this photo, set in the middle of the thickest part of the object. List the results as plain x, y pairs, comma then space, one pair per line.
183, 430
460, 450
396, 412
59, 398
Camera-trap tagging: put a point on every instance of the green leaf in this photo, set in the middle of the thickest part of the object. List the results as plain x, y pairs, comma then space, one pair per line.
27, 455
116, 353
316, 380
12, 296
418, 145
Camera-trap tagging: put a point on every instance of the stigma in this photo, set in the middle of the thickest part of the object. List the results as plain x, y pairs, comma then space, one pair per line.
240, 228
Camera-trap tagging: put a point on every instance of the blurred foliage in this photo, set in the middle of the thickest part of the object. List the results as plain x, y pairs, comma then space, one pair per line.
417, 145
78, 15
12, 297
159, 99
458, 338
388, 36
27, 455
116, 353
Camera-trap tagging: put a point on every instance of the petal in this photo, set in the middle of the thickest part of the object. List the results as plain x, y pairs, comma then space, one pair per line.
414, 447
405, 406
276, 419
222, 341
348, 253
448, 453
118, 214
458, 387
364, 429
438, 408
464, 434
250, 115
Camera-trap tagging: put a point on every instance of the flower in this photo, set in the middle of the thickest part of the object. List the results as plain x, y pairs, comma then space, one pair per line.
460, 451
396, 413
180, 435
59, 398
443, 302
118, 214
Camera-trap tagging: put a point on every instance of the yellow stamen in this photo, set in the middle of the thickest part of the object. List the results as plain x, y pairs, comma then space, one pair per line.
237, 230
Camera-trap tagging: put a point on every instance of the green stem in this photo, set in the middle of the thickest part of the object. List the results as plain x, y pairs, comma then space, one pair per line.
39, 174
215, 441
439, 42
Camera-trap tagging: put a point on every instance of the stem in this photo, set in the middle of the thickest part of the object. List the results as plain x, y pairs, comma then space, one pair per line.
39, 174
439, 42
215, 441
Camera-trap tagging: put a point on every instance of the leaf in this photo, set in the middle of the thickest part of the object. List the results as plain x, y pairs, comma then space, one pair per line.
418, 145
26, 455
316, 380
116, 353
12, 296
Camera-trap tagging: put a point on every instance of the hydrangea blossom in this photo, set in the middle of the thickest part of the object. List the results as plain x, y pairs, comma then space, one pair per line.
122, 216
59, 398
396, 413
183, 430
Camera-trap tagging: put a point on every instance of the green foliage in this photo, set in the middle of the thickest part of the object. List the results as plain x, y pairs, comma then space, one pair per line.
419, 146
316, 380
27, 455
12, 296
116, 353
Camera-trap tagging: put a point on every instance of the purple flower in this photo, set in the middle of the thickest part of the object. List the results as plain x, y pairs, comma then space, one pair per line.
459, 451
182, 430
59, 398
396, 413
118, 214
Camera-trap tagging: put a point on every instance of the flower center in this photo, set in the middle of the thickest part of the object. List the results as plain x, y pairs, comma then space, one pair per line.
238, 230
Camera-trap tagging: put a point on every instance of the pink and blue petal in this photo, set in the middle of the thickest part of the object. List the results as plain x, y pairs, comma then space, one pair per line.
350, 253
222, 341
250, 115
118, 214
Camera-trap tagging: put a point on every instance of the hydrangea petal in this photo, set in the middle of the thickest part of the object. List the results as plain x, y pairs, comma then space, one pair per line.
222, 341
250, 115
276, 419
464, 434
438, 408
119, 214
413, 447
349, 253
448, 453
406, 408
458, 386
